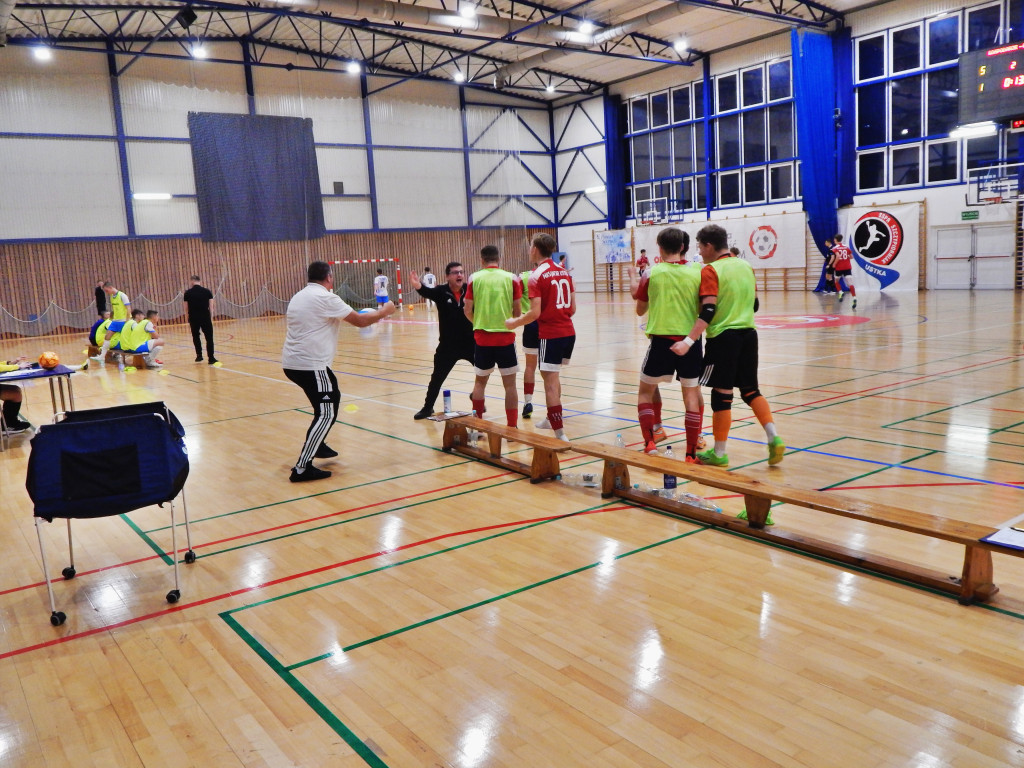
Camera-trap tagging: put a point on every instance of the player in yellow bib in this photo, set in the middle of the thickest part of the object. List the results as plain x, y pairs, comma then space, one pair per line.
728, 301
120, 309
531, 347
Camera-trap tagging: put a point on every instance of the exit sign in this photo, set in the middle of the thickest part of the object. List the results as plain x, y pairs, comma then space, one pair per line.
968, 215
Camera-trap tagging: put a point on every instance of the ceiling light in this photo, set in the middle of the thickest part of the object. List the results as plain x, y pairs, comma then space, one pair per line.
459, 77
972, 130
679, 45
42, 53
152, 196
199, 51
594, 190
353, 68
586, 28
550, 88
467, 11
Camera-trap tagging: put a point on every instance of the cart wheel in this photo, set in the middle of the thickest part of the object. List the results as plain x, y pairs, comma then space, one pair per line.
190, 557
173, 595
57, 618
69, 572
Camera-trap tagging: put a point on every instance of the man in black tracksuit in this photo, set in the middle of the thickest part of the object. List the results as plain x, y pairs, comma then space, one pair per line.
456, 332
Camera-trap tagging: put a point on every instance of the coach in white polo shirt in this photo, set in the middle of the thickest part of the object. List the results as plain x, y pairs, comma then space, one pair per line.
314, 316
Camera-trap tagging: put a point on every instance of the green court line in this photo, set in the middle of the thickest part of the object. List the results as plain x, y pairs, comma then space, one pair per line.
952, 407
152, 544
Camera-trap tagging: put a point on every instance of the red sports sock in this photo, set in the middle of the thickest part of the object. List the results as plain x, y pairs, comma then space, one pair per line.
646, 414
657, 412
528, 388
853, 291
555, 416
512, 416
478, 407
693, 426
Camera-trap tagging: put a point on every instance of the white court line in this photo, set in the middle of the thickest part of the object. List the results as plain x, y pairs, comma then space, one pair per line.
291, 384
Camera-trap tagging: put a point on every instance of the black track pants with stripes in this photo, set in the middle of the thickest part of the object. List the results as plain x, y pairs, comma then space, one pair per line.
321, 387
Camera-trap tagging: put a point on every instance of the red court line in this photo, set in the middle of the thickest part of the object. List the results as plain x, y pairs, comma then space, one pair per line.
284, 579
913, 485
912, 400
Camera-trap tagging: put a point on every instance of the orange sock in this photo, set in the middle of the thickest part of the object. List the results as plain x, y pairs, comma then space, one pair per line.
721, 421
761, 410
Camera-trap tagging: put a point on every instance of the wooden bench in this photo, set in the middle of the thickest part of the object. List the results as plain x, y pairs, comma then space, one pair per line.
973, 585
544, 466
130, 358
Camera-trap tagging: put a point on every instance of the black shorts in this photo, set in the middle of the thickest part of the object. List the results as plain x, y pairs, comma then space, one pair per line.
554, 353
504, 357
730, 360
531, 338
843, 272
661, 363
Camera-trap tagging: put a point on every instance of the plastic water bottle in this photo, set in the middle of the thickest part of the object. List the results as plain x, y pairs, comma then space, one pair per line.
570, 478
447, 401
120, 363
699, 501
589, 480
619, 442
642, 487
669, 480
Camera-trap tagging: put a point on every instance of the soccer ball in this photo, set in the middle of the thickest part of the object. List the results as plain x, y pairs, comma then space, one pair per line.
49, 360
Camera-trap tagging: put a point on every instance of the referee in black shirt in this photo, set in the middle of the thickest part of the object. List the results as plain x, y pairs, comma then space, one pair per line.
199, 313
456, 332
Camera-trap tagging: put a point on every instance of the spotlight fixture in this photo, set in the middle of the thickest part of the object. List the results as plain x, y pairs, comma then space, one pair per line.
550, 88
152, 196
680, 45
42, 53
458, 76
973, 130
467, 11
353, 68
185, 17
586, 28
199, 51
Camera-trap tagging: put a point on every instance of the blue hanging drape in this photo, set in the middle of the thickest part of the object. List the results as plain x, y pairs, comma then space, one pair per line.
256, 177
615, 171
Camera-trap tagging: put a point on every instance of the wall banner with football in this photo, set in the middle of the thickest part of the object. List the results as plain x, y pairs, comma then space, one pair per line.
885, 243
613, 246
767, 242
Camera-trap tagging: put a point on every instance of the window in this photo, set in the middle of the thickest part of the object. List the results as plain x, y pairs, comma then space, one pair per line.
641, 146
753, 87
871, 114
906, 166
681, 104
682, 141
780, 132
659, 110
727, 97
905, 116
906, 49
943, 39
729, 188
753, 186
982, 27
942, 101
686, 198
662, 145
943, 161
701, 183
698, 99
753, 137
871, 170
728, 141
870, 57
1015, 24
699, 148
638, 111
982, 151
779, 84
780, 182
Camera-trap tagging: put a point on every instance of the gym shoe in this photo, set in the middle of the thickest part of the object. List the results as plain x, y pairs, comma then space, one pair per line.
543, 424
711, 458
199, 358
776, 450
650, 448
309, 473
769, 521
325, 452
527, 410
213, 360
17, 427
840, 295
659, 434
701, 443
691, 459
854, 305
423, 413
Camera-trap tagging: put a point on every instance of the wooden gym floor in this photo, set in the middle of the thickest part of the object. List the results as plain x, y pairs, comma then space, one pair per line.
419, 609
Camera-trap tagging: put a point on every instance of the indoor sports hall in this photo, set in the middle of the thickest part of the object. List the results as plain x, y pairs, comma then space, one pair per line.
433, 607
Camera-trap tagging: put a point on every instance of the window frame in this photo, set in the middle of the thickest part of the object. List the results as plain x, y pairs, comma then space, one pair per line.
957, 15
891, 52
891, 169
792, 182
763, 170
857, 80
885, 169
719, 176
926, 166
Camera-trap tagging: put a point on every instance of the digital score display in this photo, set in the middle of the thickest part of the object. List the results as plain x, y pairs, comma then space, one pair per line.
992, 84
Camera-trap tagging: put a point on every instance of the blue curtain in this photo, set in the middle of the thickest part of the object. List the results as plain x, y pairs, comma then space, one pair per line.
256, 177
815, 96
846, 134
615, 162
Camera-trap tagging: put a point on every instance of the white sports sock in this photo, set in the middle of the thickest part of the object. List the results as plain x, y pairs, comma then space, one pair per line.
769, 429
720, 447
529, 398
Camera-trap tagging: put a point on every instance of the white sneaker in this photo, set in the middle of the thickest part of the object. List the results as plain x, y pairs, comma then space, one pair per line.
542, 424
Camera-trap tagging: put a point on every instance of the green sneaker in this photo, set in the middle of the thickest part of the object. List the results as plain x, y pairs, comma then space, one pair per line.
743, 516
776, 450
711, 458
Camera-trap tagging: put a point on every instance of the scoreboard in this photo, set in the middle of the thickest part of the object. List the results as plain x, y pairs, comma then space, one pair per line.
992, 84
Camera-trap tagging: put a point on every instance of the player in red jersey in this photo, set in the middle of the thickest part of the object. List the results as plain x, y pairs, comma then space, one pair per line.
643, 264
842, 265
552, 305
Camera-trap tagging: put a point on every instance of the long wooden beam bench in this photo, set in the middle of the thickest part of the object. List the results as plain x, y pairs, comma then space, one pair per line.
973, 585
544, 466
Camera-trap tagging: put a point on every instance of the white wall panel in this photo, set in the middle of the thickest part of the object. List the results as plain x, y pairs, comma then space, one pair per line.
179, 216
501, 175
60, 188
345, 165
494, 212
573, 128
331, 100
160, 167
579, 175
56, 103
575, 209
540, 124
420, 189
540, 165
342, 214
408, 124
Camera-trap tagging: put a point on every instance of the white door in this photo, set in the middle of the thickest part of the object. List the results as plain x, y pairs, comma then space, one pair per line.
974, 256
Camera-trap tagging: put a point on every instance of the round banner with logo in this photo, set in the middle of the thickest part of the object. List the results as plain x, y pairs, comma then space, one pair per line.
884, 242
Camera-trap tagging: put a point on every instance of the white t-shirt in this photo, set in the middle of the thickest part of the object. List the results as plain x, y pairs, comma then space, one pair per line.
313, 319
380, 285
429, 280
